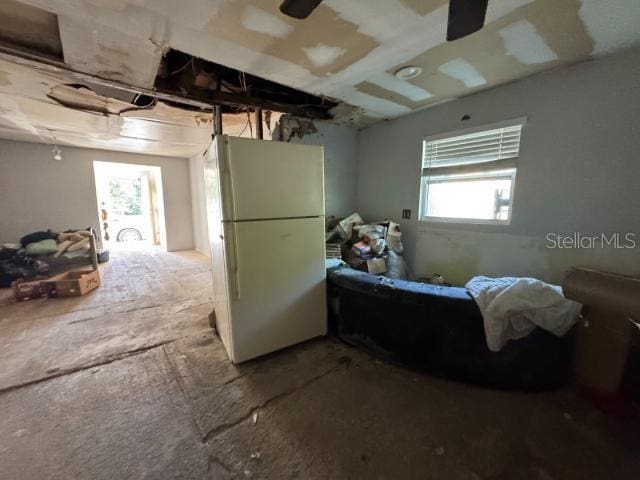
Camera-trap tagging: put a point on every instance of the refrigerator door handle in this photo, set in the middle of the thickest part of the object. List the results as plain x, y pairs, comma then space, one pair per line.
232, 246
226, 180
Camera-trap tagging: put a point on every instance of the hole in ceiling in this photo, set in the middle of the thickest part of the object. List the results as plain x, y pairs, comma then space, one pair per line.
30, 29
236, 91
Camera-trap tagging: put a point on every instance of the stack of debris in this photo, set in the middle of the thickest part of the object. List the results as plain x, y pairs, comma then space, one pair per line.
44, 253
334, 250
374, 247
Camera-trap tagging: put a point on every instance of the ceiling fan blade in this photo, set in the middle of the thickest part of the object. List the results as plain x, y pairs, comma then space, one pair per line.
299, 9
465, 17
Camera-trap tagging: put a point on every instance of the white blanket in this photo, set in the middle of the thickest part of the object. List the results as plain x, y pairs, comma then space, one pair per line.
512, 308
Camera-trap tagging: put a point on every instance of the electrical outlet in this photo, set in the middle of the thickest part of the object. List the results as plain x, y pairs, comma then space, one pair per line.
406, 213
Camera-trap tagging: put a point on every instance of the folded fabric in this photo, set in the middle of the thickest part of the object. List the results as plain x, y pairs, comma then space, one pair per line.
73, 236
76, 254
37, 236
74, 230
62, 247
43, 247
82, 244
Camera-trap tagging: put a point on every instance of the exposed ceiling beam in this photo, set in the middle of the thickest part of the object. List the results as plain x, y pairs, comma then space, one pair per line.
205, 101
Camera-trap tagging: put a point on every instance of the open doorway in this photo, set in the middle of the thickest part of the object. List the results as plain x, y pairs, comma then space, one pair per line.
130, 206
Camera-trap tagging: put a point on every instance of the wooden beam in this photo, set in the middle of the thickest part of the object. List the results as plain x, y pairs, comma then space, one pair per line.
259, 133
217, 125
235, 100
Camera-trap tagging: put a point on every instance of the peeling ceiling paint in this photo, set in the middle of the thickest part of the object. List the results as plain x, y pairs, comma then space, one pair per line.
102, 51
40, 107
35, 107
347, 49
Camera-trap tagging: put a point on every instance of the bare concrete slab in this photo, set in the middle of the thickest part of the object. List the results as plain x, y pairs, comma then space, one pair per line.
43, 338
325, 410
41, 348
128, 281
124, 420
369, 420
223, 394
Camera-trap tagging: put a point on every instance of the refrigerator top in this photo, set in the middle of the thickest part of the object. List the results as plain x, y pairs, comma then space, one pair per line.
263, 180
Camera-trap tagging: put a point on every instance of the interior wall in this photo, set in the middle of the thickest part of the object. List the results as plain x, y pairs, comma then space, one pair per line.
37, 192
577, 173
340, 171
196, 177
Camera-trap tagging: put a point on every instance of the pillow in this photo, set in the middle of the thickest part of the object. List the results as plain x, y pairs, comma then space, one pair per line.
43, 247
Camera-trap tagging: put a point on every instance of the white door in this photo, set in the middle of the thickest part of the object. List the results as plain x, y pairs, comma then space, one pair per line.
266, 179
276, 284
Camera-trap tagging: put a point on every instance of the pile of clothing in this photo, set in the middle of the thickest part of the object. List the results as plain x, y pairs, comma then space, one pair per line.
33, 255
372, 247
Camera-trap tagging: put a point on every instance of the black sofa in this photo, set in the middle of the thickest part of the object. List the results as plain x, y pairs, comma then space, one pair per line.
439, 330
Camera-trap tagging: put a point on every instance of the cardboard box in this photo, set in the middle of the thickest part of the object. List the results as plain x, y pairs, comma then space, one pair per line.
71, 284
376, 266
27, 289
602, 344
603, 339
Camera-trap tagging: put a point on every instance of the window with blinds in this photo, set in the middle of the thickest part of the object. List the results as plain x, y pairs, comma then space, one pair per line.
469, 176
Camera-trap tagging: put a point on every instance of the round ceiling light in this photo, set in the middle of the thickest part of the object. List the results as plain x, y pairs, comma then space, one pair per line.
408, 72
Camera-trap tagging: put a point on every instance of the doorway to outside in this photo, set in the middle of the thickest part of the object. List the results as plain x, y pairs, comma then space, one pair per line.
130, 206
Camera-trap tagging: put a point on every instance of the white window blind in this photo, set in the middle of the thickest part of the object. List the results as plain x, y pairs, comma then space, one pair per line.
473, 148
469, 175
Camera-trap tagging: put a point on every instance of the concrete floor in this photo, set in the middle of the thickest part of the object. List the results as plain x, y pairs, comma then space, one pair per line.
130, 383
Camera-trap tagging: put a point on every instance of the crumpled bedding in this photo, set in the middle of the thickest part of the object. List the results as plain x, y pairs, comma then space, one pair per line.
513, 307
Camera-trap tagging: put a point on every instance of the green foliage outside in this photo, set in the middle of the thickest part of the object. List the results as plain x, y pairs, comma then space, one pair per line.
126, 195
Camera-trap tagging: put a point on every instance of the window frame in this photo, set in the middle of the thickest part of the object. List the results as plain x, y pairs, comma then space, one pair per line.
491, 166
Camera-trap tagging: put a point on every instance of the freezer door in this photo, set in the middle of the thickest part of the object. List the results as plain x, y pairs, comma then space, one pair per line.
278, 295
267, 180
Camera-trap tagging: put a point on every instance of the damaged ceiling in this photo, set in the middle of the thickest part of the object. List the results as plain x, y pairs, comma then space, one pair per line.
346, 50
42, 107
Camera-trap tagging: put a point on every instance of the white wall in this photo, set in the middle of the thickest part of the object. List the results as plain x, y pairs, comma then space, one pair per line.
196, 175
37, 192
578, 171
340, 171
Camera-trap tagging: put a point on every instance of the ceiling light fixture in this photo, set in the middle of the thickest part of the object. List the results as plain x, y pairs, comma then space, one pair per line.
408, 72
57, 153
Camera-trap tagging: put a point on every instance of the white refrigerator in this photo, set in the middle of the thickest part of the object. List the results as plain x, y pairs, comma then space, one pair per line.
265, 214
